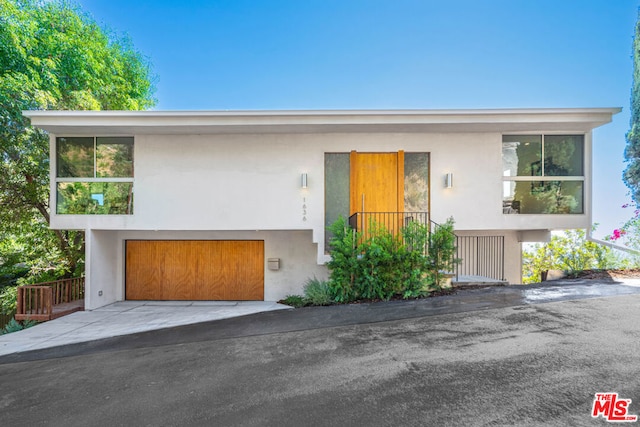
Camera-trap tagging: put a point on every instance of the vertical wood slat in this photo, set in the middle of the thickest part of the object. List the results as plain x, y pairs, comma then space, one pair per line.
380, 176
20, 302
400, 181
37, 301
47, 294
194, 270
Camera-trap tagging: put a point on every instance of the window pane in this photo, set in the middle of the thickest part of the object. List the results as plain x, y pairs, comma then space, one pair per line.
522, 155
416, 182
114, 157
108, 198
336, 189
563, 155
74, 157
543, 197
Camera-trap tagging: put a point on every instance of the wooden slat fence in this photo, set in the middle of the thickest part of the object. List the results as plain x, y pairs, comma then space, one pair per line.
48, 300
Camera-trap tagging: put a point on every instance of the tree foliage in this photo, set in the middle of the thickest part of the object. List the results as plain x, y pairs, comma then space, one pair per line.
631, 175
569, 252
53, 56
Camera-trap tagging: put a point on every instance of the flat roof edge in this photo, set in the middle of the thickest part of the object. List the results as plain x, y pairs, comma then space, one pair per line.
314, 121
272, 113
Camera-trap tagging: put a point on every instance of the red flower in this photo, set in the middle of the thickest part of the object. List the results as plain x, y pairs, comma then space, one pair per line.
617, 234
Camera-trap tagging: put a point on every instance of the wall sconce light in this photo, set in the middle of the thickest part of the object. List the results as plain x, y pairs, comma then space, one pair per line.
448, 180
303, 180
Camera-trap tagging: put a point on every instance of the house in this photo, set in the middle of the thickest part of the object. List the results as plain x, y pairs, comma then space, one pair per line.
233, 205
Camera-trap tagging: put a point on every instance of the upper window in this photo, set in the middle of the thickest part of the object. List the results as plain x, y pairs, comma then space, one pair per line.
94, 175
543, 174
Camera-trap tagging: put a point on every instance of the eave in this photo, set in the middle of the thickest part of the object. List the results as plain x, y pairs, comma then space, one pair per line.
319, 121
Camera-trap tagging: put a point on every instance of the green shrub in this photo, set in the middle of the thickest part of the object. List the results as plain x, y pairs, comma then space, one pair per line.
317, 292
414, 266
8, 299
296, 301
378, 276
442, 251
344, 261
379, 264
14, 326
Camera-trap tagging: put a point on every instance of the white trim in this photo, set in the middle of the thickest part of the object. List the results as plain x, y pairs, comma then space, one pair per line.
326, 113
311, 121
63, 179
543, 178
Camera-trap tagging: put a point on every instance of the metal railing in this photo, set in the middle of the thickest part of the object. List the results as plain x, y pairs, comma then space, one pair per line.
481, 256
393, 222
39, 301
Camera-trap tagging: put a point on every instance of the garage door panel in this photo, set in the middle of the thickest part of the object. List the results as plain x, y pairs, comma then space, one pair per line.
195, 270
178, 273
144, 268
216, 274
250, 269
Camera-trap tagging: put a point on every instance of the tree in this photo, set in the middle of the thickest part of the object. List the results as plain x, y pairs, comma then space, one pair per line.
53, 56
570, 252
631, 175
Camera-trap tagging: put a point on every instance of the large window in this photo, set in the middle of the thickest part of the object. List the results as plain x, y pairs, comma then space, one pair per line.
543, 174
94, 175
416, 182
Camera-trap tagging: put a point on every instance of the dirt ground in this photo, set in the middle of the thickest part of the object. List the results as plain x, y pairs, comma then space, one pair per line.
609, 274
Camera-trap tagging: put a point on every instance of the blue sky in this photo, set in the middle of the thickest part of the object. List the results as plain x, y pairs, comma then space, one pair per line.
373, 54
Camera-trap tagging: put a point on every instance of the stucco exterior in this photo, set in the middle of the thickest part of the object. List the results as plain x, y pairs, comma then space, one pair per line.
229, 175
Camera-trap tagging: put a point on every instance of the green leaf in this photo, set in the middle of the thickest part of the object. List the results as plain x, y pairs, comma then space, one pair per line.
53, 56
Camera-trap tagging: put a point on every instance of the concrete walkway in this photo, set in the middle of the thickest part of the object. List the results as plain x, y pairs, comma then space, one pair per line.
124, 318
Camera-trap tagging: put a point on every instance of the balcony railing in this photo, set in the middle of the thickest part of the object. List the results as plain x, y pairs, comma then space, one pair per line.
46, 301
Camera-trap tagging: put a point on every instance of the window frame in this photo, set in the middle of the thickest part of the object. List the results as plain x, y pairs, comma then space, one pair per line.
95, 178
548, 178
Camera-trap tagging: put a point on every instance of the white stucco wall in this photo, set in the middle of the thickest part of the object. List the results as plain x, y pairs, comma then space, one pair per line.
104, 269
252, 182
106, 260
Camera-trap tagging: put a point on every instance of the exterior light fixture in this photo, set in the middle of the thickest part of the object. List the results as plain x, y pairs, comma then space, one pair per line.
303, 180
448, 180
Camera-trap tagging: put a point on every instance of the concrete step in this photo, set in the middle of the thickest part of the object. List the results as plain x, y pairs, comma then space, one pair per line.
464, 280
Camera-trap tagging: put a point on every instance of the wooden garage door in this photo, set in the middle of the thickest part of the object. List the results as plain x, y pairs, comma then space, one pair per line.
192, 270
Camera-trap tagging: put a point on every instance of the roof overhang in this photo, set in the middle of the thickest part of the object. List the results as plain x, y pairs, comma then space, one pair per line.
327, 121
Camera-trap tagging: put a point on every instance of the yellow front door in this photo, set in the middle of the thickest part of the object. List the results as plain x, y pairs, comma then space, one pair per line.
377, 189
377, 182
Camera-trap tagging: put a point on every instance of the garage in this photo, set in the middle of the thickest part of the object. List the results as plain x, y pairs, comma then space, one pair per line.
194, 270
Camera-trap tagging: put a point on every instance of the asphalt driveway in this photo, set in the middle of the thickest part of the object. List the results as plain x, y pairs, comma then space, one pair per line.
511, 364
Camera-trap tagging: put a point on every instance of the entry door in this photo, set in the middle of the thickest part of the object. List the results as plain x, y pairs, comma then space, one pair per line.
377, 182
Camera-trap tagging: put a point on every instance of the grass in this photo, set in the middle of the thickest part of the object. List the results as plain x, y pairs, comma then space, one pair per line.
295, 301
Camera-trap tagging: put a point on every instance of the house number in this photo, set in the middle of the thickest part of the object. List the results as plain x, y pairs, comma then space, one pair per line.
304, 208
